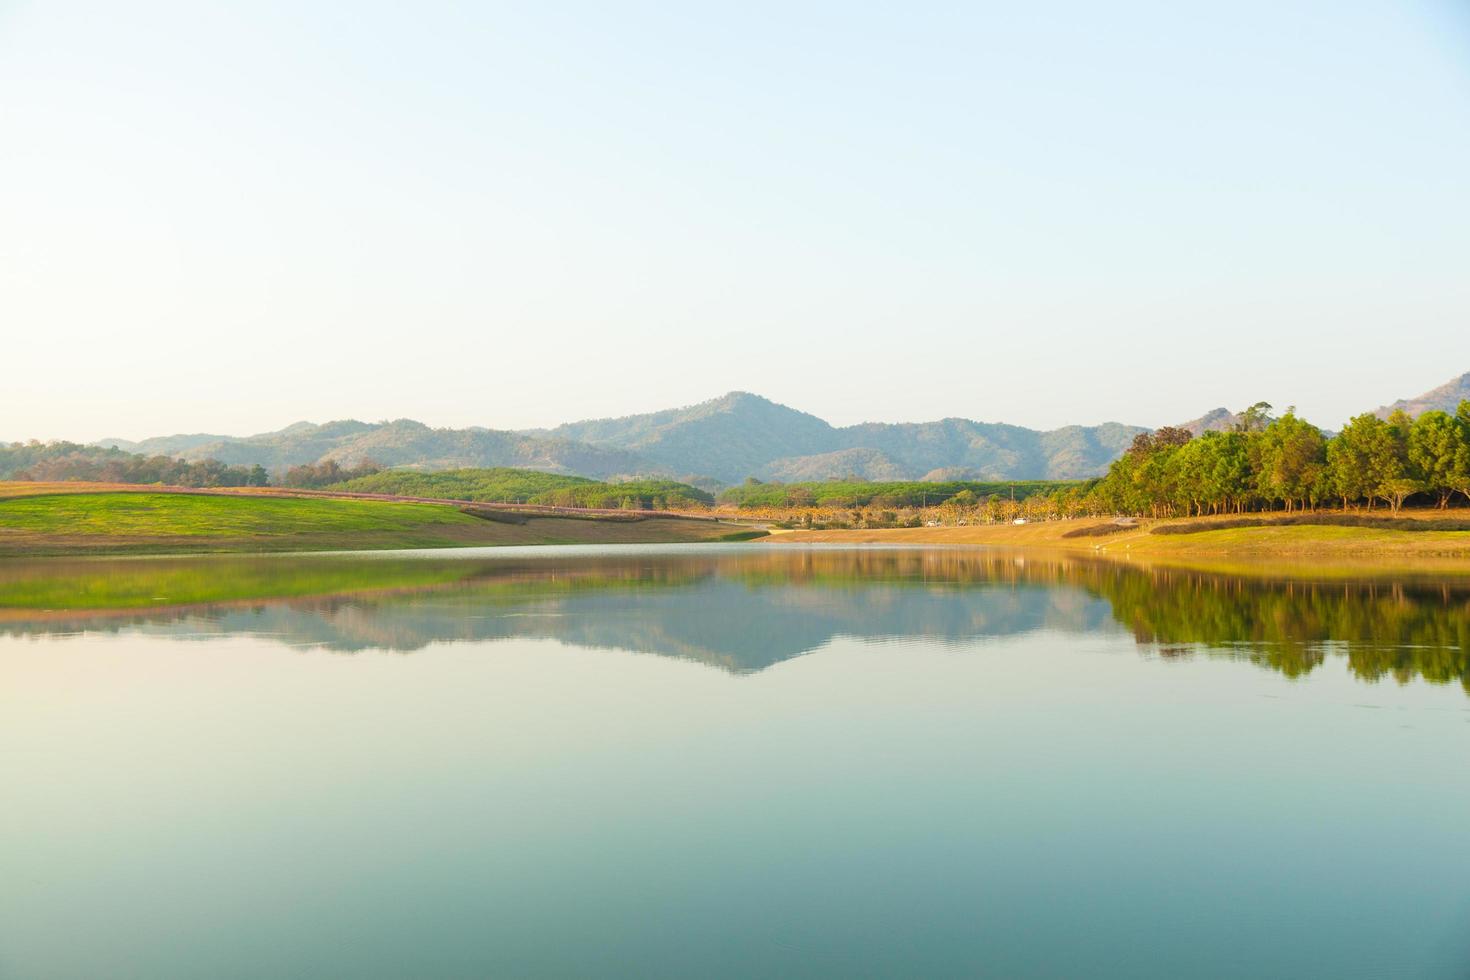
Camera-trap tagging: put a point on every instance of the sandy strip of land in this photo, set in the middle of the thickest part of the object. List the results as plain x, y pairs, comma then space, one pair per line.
1288, 542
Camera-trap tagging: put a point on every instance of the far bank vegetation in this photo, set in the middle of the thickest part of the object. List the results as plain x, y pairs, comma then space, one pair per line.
1263, 464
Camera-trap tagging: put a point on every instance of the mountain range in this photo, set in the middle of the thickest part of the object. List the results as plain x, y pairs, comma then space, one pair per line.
402, 442
720, 441
716, 442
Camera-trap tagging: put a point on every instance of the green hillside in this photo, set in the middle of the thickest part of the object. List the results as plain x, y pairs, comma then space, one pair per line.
146, 522
504, 485
180, 521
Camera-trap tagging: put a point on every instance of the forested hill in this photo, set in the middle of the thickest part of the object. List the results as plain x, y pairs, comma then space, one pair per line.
510, 486
403, 442
742, 435
722, 441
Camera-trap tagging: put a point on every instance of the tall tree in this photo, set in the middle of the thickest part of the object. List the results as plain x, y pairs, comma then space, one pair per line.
1292, 455
1396, 478
1255, 418
1437, 453
1460, 473
1353, 458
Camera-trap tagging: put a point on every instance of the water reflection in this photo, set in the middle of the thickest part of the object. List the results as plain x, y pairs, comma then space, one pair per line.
745, 609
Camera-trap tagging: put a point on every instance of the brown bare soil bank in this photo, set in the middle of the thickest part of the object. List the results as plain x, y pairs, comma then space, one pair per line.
1207, 537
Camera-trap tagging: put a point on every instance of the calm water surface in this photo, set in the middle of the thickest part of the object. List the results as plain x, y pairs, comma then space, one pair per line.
732, 762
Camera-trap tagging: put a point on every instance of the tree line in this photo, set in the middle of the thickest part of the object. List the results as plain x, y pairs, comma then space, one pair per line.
65, 461
69, 461
1286, 463
60, 462
507, 485
326, 473
880, 495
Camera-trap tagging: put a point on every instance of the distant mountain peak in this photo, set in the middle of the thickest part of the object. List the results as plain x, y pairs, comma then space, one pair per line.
744, 401
1445, 398
1215, 420
737, 397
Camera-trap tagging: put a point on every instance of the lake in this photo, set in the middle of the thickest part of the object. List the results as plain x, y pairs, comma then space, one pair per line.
729, 761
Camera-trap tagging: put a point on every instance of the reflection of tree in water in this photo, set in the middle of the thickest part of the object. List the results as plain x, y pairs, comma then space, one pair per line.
1397, 629
745, 610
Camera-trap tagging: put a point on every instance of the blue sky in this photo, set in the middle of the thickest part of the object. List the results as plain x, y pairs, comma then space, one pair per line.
230, 217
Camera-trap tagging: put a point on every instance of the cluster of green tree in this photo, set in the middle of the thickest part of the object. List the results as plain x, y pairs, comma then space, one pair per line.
326, 473
639, 494
1267, 463
67, 461
499, 484
506, 485
849, 493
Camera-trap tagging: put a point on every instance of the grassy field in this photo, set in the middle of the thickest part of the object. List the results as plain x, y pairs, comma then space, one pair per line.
1270, 540
112, 522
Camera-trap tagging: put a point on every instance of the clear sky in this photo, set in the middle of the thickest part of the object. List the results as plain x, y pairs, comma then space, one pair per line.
228, 217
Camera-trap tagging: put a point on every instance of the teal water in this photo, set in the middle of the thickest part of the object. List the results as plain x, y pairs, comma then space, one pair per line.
734, 762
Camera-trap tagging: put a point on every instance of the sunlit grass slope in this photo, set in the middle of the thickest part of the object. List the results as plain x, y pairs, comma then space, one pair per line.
112, 522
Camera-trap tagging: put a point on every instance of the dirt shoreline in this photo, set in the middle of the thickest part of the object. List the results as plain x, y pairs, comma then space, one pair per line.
1283, 543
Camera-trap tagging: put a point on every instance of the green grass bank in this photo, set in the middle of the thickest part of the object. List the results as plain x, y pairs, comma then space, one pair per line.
174, 523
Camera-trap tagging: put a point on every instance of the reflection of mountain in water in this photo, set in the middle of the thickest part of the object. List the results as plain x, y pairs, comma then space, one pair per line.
713, 616
747, 610
715, 621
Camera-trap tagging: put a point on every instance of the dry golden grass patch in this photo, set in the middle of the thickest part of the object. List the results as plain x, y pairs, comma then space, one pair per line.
1265, 541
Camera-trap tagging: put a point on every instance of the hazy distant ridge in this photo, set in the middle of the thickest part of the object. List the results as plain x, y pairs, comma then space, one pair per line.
741, 434
723, 440
403, 442
1445, 398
